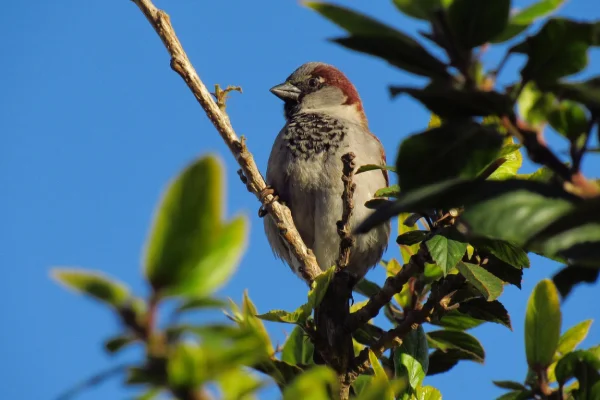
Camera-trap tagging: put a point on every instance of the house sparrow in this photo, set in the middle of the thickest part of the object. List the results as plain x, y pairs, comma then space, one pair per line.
325, 119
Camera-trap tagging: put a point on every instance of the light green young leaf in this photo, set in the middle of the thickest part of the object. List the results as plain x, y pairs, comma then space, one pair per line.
297, 349
573, 336
380, 375
316, 383
488, 284
428, 393
185, 366
239, 384
200, 303
190, 249
94, 284
542, 324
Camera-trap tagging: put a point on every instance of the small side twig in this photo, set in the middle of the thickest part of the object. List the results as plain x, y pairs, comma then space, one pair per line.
393, 285
577, 153
343, 226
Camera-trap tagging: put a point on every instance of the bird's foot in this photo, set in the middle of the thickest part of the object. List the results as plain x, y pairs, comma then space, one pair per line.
268, 190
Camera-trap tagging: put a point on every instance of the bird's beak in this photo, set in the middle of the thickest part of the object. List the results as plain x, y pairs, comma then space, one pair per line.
286, 91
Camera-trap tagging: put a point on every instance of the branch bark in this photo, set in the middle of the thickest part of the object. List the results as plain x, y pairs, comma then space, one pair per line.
343, 225
255, 183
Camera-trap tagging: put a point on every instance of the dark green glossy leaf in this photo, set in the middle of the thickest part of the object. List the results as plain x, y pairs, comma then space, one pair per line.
447, 101
509, 385
568, 119
525, 17
454, 150
505, 251
455, 320
440, 361
94, 284
505, 272
447, 248
281, 372
421, 9
190, 249
573, 336
542, 325
115, 344
586, 92
581, 364
474, 22
297, 349
491, 311
570, 276
400, 51
411, 359
516, 395
367, 288
558, 49
489, 285
455, 340
411, 237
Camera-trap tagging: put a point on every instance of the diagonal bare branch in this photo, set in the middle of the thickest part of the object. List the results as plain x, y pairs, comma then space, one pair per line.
181, 64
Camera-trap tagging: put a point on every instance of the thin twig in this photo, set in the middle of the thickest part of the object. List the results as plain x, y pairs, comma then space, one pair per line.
393, 285
578, 152
181, 64
92, 381
343, 226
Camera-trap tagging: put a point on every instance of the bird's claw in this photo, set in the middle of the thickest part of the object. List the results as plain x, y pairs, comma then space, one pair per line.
268, 190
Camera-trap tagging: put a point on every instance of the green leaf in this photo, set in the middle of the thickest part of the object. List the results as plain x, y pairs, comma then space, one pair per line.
374, 167
568, 119
316, 383
525, 17
248, 319
505, 272
491, 311
411, 359
320, 285
454, 150
421, 9
367, 288
381, 375
450, 102
410, 238
94, 284
489, 285
440, 361
406, 250
239, 384
509, 385
455, 320
391, 191
586, 92
455, 340
580, 244
361, 384
505, 251
474, 23
185, 368
117, 343
200, 303
578, 364
297, 349
281, 372
573, 336
569, 277
375, 38
516, 211
542, 325
513, 159
428, 393
190, 250
516, 395
400, 51
534, 105
447, 248
558, 49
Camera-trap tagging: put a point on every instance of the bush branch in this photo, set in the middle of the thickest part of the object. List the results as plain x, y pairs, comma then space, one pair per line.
343, 225
181, 64
393, 285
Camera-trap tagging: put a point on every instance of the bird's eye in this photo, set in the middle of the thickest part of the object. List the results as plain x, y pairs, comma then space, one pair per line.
313, 82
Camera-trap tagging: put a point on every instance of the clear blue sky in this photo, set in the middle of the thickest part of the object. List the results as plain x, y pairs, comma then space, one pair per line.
94, 123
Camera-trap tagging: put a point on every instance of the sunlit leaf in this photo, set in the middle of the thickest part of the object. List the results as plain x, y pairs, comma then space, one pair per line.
542, 324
